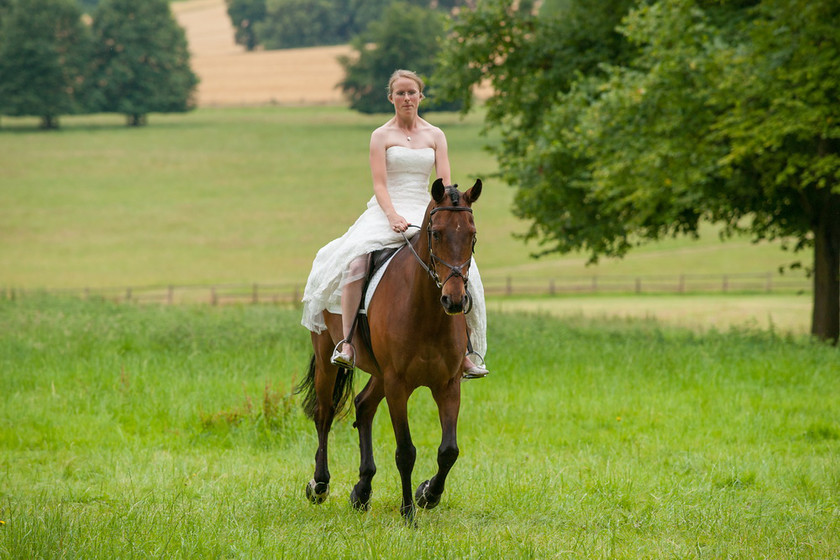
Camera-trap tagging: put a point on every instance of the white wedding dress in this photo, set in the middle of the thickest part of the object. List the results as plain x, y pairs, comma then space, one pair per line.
408, 185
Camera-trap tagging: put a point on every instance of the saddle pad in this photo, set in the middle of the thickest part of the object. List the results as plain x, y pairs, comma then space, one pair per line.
374, 280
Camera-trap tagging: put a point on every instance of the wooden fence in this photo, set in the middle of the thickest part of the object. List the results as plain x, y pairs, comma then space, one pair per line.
290, 294
650, 284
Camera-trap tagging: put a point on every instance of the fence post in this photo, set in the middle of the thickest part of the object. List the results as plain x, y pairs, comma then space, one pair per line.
128, 295
213, 298
509, 286
551, 289
255, 295
170, 294
638, 285
594, 284
725, 283
769, 285
682, 283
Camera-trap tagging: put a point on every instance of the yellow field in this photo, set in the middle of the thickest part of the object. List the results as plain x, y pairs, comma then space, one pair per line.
232, 76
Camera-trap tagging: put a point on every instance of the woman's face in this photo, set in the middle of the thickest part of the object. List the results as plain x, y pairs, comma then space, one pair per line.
405, 95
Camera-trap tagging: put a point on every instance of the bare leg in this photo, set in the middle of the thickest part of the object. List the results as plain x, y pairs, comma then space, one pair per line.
351, 294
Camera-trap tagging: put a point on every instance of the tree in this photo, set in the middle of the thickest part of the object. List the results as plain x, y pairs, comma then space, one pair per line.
245, 14
406, 37
717, 111
301, 23
43, 48
142, 64
305, 23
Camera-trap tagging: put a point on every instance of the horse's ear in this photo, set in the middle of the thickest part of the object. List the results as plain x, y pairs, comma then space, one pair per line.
438, 190
473, 194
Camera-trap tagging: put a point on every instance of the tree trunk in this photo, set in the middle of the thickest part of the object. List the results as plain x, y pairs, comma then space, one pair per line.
826, 317
136, 120
49, 122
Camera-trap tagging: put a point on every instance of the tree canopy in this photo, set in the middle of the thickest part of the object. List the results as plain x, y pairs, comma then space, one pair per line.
141, 62
43, 51
245, 14
406, 37
653, 118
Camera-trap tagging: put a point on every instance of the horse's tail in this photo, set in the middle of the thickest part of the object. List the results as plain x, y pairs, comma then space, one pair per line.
342, 390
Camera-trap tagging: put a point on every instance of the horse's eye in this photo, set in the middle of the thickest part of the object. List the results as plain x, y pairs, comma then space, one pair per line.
436, 235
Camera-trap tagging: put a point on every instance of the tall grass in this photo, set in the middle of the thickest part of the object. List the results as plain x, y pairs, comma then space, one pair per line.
130, 431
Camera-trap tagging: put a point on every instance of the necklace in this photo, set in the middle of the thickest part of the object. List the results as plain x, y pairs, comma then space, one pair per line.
404, 131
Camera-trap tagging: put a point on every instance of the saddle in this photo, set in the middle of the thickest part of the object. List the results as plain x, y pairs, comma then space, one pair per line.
376, 260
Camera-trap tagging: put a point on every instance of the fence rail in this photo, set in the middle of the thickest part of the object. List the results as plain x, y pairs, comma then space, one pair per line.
648, 284
219, 294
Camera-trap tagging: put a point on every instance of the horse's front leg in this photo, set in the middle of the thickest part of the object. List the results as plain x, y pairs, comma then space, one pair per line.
397, 397
366, 404
448, 400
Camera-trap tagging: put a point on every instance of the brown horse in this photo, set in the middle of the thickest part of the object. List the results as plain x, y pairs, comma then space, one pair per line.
417, 337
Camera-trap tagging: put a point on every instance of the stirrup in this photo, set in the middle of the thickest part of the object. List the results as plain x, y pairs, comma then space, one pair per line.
341, 359
477, 371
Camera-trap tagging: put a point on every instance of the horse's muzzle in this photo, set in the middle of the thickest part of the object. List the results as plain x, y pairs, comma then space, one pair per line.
451, 306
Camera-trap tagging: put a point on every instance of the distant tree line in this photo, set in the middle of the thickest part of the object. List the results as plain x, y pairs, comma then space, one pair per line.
386, 35
127, 57
280, 24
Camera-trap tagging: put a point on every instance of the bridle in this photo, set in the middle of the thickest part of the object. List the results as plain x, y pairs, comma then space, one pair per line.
455, 271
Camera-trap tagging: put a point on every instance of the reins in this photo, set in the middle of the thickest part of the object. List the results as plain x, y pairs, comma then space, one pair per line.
430, 269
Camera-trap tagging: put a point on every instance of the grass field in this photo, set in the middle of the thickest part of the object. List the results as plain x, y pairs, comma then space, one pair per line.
146, 431
248, 195
244, 195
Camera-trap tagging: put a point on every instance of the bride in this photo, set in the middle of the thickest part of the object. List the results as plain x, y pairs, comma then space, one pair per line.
403, 153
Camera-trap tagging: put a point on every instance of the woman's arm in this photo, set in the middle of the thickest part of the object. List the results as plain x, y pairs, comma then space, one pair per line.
380, 180
442, 157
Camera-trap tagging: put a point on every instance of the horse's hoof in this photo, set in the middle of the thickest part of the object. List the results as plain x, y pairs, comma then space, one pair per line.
407, 513
424, 498
358, 503
317, 492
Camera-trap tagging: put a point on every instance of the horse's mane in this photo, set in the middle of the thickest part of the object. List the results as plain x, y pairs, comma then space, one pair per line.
454, 195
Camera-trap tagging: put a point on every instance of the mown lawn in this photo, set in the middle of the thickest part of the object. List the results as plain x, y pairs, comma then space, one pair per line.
147, 431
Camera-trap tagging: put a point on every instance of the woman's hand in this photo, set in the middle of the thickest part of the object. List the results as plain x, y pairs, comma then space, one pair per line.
398, 223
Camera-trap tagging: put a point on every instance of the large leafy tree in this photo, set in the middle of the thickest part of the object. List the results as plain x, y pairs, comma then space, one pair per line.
406, 37
43, 49
142, 64
720, 111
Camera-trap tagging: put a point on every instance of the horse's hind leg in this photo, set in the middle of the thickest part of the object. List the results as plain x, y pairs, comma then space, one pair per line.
325, 374
449, 402
366, 404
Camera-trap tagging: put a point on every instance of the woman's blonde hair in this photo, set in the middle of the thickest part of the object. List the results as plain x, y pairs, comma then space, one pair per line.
405, 74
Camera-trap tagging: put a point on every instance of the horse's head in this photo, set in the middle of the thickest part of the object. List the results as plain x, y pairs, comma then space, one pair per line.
451, 232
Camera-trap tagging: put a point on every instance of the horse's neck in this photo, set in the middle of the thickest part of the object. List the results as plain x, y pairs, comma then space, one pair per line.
425, 289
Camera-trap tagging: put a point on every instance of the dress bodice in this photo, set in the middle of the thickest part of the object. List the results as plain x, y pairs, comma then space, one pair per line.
408, 173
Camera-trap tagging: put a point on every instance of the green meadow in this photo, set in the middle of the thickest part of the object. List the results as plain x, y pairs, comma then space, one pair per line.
170, 432
242, 196
611, 426
249, 195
